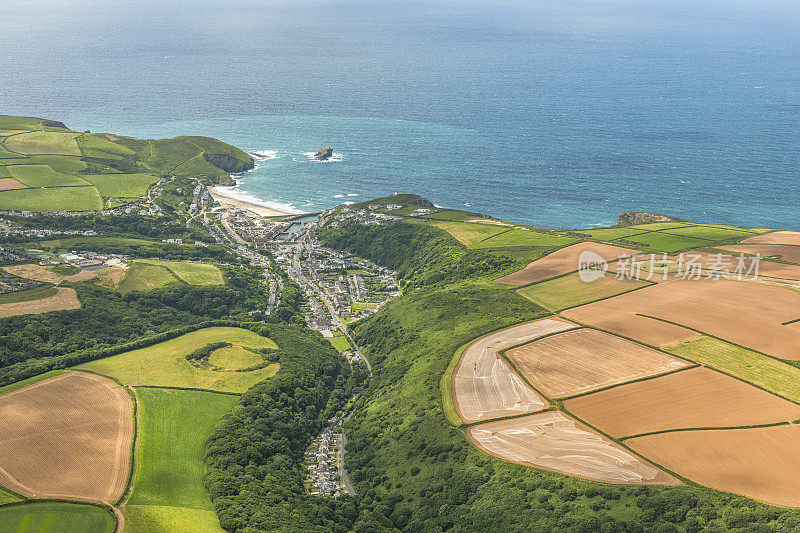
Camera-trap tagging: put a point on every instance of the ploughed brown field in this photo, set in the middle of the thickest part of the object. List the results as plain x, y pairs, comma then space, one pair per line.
776, 237
708, 262
785, 252
563, 261
9, 184
692, 398
484, 386
64, 300
554, 441
67, 437
585, 359
745, 313
761, 463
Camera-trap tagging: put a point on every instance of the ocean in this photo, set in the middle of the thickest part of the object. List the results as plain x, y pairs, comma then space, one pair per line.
549, 113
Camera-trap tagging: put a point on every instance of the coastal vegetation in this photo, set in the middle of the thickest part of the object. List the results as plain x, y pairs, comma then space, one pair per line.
66, 170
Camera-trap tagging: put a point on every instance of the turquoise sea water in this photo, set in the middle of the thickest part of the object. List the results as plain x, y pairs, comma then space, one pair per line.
550, 113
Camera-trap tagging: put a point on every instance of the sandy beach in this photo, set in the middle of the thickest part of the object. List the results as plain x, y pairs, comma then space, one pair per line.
226, 201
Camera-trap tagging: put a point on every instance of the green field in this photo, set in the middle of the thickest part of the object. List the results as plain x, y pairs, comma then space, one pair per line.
469, 234
191, 273
60, 163
55, 517
98, 145
340, 342
664, 242
11, 122
7, 497
710, 233
48, 200
569, 291
142, 276
773, 375
518, 237
609, 234
165, 364
122, 185
655, 226
39, 293
43, 142
235, 358
44, 176
168, 491
68, 243
4, 172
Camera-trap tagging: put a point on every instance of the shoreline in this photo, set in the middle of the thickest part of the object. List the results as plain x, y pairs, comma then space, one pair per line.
227, 201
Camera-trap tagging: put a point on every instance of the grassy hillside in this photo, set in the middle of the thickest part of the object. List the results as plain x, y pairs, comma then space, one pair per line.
50, 159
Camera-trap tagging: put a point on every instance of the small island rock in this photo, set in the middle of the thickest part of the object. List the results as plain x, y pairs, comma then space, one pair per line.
324, 153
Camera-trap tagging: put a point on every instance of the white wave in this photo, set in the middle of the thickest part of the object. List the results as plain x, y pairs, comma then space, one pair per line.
336, 157
348, 203
352, 194
234, 193
437, 206
265, 155
338, 195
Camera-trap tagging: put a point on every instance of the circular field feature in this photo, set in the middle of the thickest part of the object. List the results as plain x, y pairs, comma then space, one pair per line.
234, 358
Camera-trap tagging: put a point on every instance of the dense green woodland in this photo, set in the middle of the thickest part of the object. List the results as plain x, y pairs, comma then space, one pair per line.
255, 456
414, 471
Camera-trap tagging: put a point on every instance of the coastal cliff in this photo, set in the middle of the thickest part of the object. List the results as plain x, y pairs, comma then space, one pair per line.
629, 218
229, 163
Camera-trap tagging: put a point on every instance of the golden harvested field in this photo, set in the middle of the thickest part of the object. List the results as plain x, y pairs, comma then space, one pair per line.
585, 359
776, 237
9, 184
484, 386
562, 261
64, 300
761, 463
67, 437
693, 398
554, 441
784, 252
36, 272
745, 313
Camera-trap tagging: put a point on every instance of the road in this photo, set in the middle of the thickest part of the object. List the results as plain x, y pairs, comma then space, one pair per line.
328, 303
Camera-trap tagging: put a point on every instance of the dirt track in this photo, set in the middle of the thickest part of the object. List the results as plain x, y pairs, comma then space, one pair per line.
485, 387
67, 437
562, 261
693, 398
556, 442
586, 359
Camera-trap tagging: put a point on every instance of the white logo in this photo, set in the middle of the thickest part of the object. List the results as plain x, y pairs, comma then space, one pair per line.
591, 266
